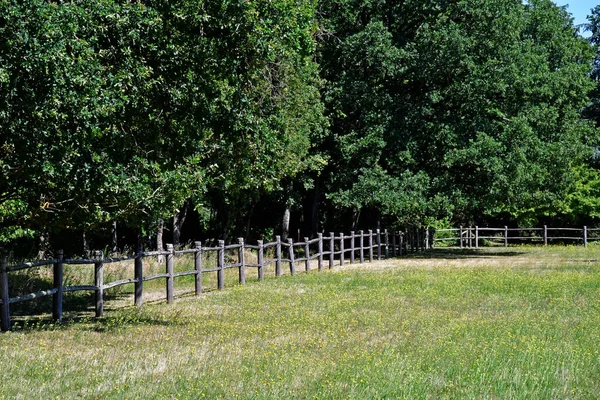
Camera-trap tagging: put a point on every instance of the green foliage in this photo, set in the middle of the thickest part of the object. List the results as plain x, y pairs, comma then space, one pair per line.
118, 110
89, 116
480, 99
584, 200
413, 111
592, 111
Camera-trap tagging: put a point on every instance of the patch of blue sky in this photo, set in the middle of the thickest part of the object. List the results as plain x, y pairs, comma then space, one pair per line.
579, 9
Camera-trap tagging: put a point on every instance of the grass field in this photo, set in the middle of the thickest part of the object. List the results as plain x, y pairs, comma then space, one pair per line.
520, 323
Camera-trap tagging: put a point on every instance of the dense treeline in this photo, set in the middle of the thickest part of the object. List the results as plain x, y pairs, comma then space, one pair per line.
249, 118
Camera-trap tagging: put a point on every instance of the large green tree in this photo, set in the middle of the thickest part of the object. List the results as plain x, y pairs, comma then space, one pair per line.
94, 114
127, 110
461, 108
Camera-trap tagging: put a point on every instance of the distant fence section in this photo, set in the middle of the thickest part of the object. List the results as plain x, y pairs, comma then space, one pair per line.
326, 250
474, 236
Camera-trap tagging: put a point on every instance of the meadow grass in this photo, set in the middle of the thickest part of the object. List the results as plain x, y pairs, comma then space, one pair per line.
521, 322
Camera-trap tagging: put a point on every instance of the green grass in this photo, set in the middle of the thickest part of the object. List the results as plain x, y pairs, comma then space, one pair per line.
495, 323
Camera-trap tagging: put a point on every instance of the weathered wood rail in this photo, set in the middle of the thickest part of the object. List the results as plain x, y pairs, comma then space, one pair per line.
473, 235
334, 247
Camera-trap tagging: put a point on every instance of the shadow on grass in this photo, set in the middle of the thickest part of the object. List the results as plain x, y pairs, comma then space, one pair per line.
78, 308
105, 324
80, 302
78, 311
458, 253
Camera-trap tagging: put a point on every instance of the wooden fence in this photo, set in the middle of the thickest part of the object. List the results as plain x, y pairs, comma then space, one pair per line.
472, 236
341, 247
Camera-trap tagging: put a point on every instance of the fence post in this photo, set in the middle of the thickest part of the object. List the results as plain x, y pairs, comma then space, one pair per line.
242, 261
406, 241
169, 271
307, 254
505, 236
278, 256
545, 235
342, 249
352, 248
470, 236
378, 244
99, 282
362, 247
57, 298
417, 239
427, 238
198, 267
5, 311
460, 236
387, 244
400, 243
370, 245
414, 239
261, 262
221, 265
292, 262
320, 251
585, 236
476, 236
138, 272
331, 249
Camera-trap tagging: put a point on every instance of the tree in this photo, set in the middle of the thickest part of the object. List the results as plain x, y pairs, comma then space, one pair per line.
130, 111
271, 111
92, 117
473, 105
592, 111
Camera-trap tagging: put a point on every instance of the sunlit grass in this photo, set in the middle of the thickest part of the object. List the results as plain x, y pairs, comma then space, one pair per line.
515, 323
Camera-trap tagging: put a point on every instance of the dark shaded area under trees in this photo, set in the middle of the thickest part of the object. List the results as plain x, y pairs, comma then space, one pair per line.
224, 119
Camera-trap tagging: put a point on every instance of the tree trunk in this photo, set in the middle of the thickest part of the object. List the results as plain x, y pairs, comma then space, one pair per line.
113, 242
44, 244
159, 240
178, 220
314, 220
225, 226
86, 246
285, 225
249, 219
355, 218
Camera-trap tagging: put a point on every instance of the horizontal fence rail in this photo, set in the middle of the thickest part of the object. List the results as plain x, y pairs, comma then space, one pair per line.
472, 236
341, 247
